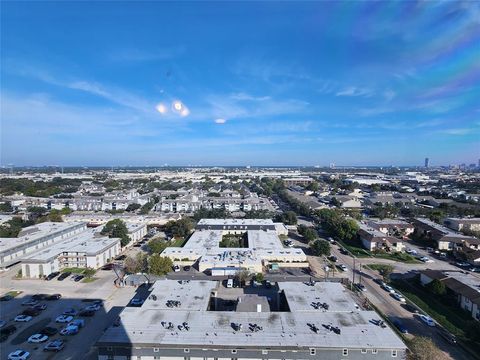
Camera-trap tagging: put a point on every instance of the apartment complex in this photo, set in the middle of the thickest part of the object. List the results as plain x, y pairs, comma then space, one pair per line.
34, 238
87, 249
459, 224
257, 246
194, 320
374, 239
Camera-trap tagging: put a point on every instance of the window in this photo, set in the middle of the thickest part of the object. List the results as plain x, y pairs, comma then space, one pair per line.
374, 351
234, 351
186, 350
345, 352
394, 353
264, 352
312, 351
364, 351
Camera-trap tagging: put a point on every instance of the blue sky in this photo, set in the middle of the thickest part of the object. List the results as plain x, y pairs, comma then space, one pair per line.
247, 83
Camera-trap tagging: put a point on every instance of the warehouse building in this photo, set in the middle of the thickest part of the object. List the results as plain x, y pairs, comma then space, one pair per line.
185, 320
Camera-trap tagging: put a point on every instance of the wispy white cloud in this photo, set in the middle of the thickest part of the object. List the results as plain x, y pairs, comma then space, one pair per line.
220, 121
457, 131
354, 91
143, 55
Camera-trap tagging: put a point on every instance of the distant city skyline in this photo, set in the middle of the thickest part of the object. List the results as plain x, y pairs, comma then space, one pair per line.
242, 83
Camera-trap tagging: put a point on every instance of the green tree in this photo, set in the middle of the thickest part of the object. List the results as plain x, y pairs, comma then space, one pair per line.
436, 287
117, 228
386, 271
320, 247
259, 277
180, 228
133, 207
6, 207
159, 265
157, 245
89, 272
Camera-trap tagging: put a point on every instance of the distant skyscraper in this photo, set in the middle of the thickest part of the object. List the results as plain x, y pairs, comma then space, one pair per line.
427, 160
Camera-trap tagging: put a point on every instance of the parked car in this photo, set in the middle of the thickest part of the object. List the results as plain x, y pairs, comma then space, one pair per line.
37, 338
343, 267
6, 297
55, 345
52, 275
176, 268
427, 320
462, 264
64, 276
50, 331
77, 278
411, 308
39, 296
54, 297
70, 311
360, 287
30, 302
31, 312
344, 251
121, 257
378, 281
447, 336
136, 302
80, 323
107, 266
399, 325
268, 284
426, 259
19, 355
40, 307
230, 283
398, 297
186, 268
64, 319
2, 323
69, 330
388, 288
7, 331
23, 318
93, 307
333, 258
86, 313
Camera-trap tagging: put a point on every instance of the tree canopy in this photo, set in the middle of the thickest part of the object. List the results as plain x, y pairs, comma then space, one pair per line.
117, 228
320, 247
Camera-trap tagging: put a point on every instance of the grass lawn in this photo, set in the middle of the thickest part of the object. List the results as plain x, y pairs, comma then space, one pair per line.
74, 270
179, 242
355, 250
89, 279
14, 293
398, 256
452, 318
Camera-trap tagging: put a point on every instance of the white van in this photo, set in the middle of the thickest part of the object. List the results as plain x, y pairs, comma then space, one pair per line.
230, 283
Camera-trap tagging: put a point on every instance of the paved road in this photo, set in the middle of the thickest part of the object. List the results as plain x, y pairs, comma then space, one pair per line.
393, 308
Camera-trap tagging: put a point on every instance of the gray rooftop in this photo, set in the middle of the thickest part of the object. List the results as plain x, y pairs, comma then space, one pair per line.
147, 324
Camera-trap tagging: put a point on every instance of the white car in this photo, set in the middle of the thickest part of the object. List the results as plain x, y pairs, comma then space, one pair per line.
388, 288
343, 267
64, 319
94, 307
37, 338
176, 268
411, 251
23, 318
427, 320
426, 259
398, 297
19, 355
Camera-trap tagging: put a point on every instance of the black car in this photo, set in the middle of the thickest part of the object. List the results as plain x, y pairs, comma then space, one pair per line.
6, 332
52, 275
86, 313
40, 307
39, 296
121, 257
107, 266
78, 278
333, 258
54, 297
186, 268
6, 298
31, 312
343, 251
378, 281
50, 331
64, 276
410, 308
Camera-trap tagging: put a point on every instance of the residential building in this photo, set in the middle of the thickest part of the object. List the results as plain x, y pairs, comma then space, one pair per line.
392, 227
35, 238
459, 224
373, 239
464, 287
201, 319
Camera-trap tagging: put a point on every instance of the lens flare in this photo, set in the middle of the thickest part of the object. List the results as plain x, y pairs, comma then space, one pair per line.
162, 109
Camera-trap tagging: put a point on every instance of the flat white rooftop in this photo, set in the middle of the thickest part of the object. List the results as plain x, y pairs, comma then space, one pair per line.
87, 243
286, 330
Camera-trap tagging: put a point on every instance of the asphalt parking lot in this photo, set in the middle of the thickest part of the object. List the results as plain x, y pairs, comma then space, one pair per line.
74, 296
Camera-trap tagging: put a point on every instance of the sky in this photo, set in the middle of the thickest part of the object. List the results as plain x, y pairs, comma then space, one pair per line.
239, 83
